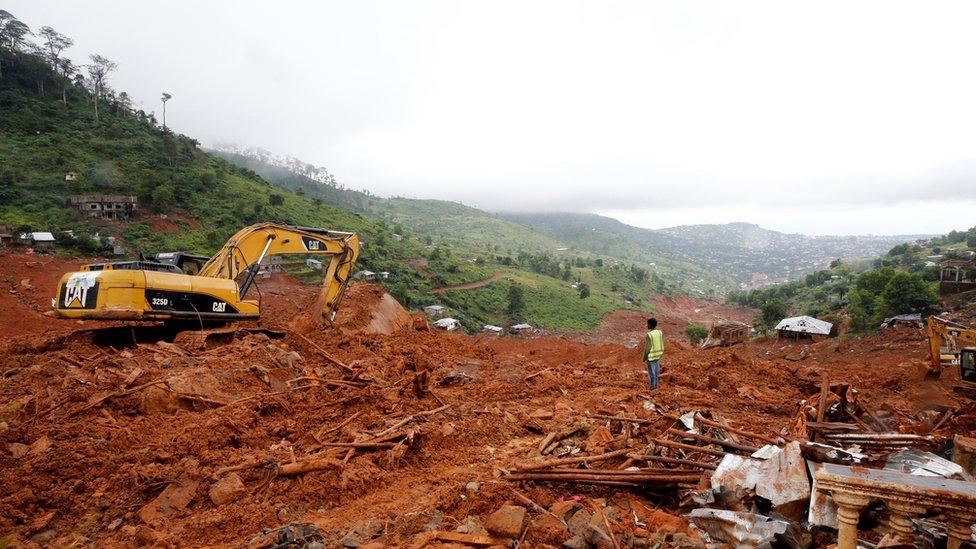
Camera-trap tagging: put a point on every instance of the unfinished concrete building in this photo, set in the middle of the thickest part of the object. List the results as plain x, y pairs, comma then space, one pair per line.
958, 275
105, 206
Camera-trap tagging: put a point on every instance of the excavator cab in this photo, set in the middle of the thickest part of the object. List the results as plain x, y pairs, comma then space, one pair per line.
967, 365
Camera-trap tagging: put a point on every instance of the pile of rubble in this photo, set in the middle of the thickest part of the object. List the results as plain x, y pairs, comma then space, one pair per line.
384, 433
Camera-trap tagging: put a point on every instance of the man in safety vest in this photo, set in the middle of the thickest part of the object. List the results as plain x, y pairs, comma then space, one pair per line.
653, 351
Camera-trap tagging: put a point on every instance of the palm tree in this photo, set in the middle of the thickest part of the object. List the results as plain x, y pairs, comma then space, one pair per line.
166, 97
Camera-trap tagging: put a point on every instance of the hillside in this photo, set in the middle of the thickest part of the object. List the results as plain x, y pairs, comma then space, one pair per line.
192, 200
43, 138
748, 253
459, 226
861, 294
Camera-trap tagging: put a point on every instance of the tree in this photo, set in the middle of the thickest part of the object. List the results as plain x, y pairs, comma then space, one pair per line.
696, 333
13, 32
54, 43
772, 312
906, 292
971, 237
875, 280
860, 307
98, 72
584, 290
166, 97
516, 299
276, 199
125, 103
835, 263
67, 68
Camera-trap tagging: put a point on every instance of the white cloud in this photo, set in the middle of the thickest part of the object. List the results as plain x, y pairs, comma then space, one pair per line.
684, 108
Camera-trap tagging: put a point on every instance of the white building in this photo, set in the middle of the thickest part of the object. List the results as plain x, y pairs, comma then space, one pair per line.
449, 324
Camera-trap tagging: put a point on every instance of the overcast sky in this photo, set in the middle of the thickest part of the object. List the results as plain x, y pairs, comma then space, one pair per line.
817, 117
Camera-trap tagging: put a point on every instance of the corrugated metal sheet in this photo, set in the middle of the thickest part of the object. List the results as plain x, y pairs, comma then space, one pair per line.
805, 325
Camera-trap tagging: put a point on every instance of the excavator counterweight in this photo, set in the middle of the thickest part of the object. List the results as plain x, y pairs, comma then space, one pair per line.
143, 290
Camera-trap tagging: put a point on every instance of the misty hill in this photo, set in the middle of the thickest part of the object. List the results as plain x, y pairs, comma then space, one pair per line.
747, 252
455, 224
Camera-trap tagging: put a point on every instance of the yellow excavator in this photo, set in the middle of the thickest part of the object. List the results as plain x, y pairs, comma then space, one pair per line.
160, 290
953, 345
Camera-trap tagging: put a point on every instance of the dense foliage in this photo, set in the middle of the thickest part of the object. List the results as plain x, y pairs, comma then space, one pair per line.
904, 280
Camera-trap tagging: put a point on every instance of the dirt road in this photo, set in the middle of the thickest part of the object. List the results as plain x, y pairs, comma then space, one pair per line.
470, 285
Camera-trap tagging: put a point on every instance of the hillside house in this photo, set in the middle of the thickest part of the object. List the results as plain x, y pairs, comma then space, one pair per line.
957, 275
804, 327
397, 237
313, 264
39, 239
105, 206
449, 324
6, 238
522, 329
368, 276
434, 311
492, 329
70, 176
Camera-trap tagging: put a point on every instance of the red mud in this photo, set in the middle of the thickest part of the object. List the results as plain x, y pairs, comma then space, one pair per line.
93, 432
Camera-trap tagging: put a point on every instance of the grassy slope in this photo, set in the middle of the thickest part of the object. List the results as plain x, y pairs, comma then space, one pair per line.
472, 231
207, 198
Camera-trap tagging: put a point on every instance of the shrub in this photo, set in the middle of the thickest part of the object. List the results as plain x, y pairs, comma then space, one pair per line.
696, 333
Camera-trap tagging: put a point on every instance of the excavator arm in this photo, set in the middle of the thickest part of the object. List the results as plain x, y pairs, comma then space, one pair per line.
241, 256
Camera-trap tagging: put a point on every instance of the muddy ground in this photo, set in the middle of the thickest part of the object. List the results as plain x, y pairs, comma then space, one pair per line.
123, 437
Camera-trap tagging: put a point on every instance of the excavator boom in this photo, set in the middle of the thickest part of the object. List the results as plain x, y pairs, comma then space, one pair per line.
142, 291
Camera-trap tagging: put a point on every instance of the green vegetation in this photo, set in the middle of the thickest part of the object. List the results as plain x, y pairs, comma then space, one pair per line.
904, 280
57, 121
696, 333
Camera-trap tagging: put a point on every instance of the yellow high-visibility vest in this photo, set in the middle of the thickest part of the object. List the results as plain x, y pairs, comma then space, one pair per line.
654, 348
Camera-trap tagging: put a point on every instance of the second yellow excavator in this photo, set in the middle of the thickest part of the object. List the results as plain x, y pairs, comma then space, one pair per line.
144, 290
953, 345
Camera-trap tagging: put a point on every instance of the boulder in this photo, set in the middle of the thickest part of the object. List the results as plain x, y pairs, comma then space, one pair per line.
228, 489
507, 522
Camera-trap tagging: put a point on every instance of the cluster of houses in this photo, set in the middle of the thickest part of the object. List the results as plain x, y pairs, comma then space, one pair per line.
47, 239
437, 315
93, 206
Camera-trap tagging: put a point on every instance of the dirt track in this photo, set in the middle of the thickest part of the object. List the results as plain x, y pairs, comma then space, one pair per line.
94, 432
470, 285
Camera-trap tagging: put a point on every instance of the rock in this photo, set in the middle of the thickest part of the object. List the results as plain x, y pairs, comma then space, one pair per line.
542, 413
472, 486
39, 446
575, 542
175, 498
147, 536
472, 525
45, 536
114, 525
226, 490
507, 522
367, 529
351, 540
18, 450
595, 531
578, 522
564, 510
548, 527
43, 520
373, 545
